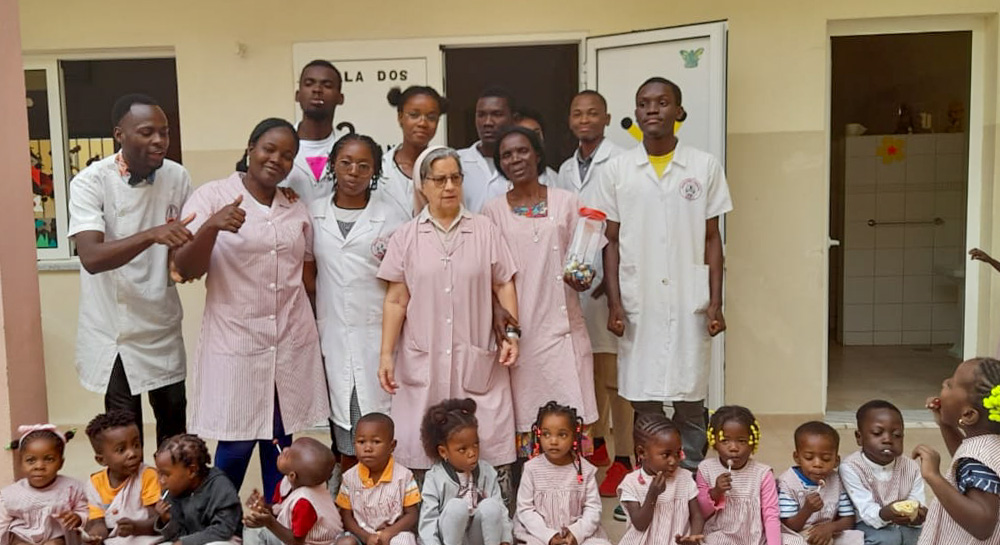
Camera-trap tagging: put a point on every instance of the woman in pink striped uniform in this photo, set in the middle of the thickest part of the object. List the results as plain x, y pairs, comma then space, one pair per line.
538, 222
44, 507
258, 371
966, 504
443, 269
741, 507
557, 502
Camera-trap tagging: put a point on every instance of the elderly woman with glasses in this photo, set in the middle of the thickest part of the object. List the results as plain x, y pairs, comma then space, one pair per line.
443, 269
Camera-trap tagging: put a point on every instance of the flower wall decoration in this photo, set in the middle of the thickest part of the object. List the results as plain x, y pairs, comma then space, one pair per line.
891, 149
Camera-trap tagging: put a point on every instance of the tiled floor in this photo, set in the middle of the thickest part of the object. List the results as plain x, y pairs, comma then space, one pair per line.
904, 375
776, 450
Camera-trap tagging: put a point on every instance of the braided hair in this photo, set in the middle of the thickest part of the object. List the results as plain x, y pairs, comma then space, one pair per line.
650, 425
730, 413
376, 151
187, 450
444, 420
576, 422
985, 391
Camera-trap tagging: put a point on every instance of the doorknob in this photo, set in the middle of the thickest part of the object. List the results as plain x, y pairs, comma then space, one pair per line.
832, 242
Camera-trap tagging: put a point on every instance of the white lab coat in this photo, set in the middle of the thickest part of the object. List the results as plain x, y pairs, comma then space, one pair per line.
548, 177
481, 182
595, 311
665, 353
395, 185
349, 301
302, 180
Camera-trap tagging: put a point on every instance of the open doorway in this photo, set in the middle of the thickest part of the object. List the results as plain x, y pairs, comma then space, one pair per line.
543, 78
899, 187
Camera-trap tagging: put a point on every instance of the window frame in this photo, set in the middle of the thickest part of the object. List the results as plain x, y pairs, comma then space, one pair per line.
61, 257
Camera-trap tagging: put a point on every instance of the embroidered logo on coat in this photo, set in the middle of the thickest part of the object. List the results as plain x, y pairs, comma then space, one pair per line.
691, 189
379, 247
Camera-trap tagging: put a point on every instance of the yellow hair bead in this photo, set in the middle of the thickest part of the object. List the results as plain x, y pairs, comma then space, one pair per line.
992, 403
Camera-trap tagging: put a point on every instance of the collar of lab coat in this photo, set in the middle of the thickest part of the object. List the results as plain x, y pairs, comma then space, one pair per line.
682, 154
473, 157
322, 209
601, 154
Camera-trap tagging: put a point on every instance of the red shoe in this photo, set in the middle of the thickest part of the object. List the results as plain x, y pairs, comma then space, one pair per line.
600, 456
616, 473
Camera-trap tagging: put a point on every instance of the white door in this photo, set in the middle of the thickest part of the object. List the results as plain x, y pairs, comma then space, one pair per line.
693, 57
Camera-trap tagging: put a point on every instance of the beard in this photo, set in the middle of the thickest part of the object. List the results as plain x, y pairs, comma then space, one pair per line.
317, 114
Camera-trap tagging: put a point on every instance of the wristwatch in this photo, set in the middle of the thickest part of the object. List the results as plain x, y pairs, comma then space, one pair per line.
513, 332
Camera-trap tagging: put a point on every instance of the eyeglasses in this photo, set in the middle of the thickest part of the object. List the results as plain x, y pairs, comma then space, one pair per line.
430, 118
440, 181
363, 168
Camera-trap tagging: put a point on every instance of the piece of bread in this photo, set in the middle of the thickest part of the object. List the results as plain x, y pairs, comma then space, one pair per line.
907, 508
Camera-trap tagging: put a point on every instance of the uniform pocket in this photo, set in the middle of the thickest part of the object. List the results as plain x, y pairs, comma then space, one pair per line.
700, 294
480, 365
413, 369
628, 282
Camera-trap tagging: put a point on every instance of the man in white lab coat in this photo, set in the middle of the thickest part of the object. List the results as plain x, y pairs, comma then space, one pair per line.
663, 265
494, 112
588, 119
318, 95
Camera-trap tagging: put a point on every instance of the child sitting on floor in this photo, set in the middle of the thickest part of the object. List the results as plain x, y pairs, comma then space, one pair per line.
44, 507
878, 476
737, 494
378, 497
202, 505
660, 504
123, 495
462, 502
814, 507
966, 504
558, 502
303, 510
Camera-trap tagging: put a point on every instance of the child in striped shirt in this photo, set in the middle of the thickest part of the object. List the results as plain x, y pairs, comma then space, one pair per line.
814, 508
123, 495
558, 502
660, 503
879, 476
378, 499
303, 510
966, 504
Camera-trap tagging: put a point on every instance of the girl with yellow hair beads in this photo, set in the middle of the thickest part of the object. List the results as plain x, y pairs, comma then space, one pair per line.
737, 494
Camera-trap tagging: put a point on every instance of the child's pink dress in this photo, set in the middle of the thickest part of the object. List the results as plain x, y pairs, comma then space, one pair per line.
672, 516
748, 514
552, 497
28, 513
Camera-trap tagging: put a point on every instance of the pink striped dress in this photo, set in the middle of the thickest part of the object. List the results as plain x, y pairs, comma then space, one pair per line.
552, 497
744, 516
258, 333
830, 493
673, 507
27, 513
904, 475
940, 528
378, 505
328, 524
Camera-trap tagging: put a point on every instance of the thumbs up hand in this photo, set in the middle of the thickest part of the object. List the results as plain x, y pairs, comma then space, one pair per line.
230, 217
173, 234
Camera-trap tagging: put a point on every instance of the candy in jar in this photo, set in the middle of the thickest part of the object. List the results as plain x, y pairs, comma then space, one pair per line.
587, 241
